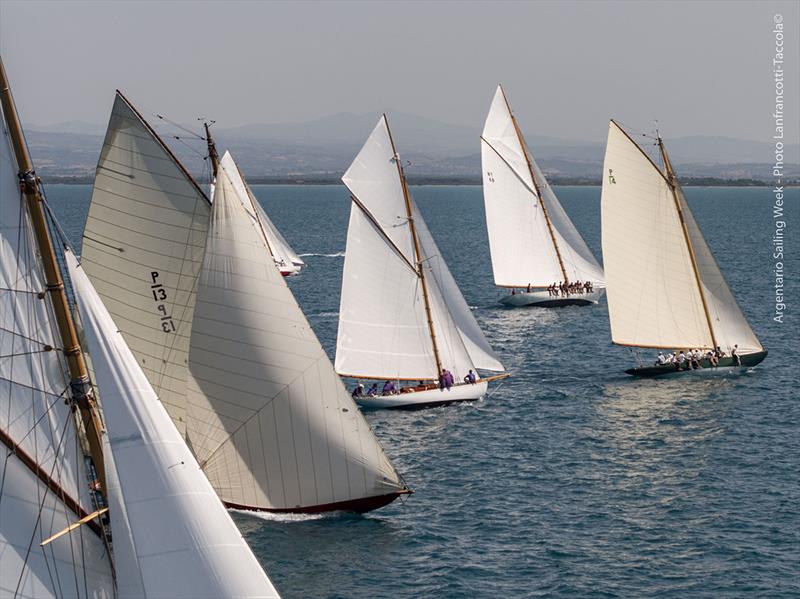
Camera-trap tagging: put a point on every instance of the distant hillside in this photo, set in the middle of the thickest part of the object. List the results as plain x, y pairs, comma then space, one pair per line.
326, 146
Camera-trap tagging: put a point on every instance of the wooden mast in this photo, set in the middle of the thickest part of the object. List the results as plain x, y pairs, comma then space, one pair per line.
538, 189
212, 149
80, 385
671, 180
417, 250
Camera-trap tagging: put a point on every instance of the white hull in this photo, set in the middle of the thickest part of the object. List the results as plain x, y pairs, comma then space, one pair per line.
543, 298
432, 397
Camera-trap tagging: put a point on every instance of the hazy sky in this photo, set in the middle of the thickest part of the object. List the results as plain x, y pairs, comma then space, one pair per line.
700, 68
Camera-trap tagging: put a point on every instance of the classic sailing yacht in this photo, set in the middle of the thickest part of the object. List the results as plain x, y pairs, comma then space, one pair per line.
286, 259
402, 316
664, 287
532, 240
192, 286
64, 468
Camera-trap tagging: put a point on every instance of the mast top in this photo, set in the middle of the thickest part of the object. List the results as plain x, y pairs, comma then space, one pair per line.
212, 148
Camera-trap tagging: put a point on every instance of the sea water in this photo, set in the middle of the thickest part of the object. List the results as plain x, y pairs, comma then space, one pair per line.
571, 479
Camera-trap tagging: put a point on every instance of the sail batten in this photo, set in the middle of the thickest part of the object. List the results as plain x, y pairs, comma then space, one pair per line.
531, 238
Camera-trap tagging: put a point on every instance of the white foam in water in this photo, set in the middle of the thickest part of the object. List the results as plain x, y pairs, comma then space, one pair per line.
336, 255
278, 517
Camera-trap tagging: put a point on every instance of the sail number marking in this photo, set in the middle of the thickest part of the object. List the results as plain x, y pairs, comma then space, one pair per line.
160, 295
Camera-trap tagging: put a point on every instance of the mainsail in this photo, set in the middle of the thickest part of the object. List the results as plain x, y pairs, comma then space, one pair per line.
401, 311
531, 238
269, 420
664, 287
44, 483
173, 537
142, 248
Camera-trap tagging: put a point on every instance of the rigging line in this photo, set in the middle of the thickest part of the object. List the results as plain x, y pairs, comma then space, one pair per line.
41, 508
21, 291
180, 139
53, 220
47, 348
174, 124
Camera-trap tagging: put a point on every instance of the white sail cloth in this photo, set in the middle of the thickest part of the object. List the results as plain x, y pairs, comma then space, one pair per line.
383, 324
142, 248
653, 295
285, 257
177, 535
36, 424
521, 243
269, 420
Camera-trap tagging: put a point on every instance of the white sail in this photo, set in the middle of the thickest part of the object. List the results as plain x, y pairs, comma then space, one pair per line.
729, 323
653, 296
142, 248
182, 541
285, 257
521, 243
383, 323
268, 418
43, 478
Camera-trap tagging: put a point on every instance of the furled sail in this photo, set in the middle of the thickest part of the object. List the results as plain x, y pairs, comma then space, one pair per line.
383, 324
268, 419
285, 257
43, 477
176, 535
142, 248
526, 249
654, 294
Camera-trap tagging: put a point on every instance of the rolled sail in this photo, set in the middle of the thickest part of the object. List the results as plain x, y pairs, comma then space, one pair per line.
268, 418
524, 249
143, 247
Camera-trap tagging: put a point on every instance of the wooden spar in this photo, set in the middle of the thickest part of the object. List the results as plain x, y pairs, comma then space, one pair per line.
80, 385
417, 250
673, 187
212, 150
538, 190
73, 526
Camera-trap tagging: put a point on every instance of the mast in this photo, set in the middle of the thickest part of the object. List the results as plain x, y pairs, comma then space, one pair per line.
212, 149
671, 180
80, 385
417, 251
538, 190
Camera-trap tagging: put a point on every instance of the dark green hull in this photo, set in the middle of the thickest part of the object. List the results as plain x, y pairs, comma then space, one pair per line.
747, 361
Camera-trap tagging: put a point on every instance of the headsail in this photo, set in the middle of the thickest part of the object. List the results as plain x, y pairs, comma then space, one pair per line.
142, 248
269, 420
183, 543
532, 240
654, 293
383, 325
43, 474
285, 257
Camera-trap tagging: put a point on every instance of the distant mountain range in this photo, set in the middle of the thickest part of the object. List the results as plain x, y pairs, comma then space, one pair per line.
325, 146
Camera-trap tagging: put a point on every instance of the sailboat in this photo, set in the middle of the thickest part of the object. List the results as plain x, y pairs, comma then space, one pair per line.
402, 316
286, 259
193, 288
72, 475
665, 289
533, 243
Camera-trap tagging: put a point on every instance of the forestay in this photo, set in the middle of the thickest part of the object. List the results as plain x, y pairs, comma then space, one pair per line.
654, 297
383, 324
175, 537
285, 257
37, 428
269, 420
143, 247
523, 248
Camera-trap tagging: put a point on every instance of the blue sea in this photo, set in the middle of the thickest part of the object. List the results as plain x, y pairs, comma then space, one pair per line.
571, 479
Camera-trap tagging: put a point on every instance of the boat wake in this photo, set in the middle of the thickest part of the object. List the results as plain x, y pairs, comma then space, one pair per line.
277, 517
336, 255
